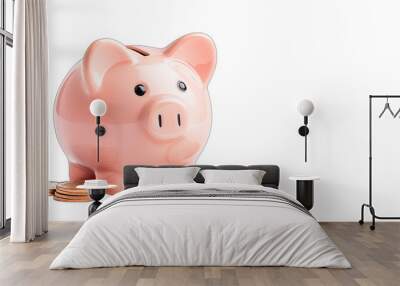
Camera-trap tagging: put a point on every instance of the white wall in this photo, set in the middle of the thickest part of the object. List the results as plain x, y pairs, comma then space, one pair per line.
271, 54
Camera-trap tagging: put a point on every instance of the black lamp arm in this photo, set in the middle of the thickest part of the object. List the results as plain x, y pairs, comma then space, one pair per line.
100, 131
303, 131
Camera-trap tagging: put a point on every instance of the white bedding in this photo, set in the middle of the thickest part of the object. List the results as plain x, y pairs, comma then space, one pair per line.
183, 231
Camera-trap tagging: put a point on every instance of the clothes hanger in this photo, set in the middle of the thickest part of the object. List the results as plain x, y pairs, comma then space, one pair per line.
387, 107
397, 113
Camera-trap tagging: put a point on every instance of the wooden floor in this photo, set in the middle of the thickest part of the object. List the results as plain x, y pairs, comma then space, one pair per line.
375, 257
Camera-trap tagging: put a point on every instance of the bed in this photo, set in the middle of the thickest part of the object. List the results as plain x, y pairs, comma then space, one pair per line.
201, 224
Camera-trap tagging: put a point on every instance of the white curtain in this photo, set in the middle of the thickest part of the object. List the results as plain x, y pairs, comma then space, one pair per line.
26, 123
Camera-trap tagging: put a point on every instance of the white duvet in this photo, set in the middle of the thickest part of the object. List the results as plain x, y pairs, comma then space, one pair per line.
200, 231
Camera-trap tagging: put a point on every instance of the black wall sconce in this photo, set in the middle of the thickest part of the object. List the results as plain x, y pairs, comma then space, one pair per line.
305, 108
98, 108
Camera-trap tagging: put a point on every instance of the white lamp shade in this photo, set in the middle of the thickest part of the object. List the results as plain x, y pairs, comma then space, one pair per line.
305, 107
98, 107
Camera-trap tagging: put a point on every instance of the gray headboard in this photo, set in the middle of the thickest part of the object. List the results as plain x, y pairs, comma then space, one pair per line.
270, 179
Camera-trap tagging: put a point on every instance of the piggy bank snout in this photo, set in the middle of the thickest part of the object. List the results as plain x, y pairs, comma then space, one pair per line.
167, 119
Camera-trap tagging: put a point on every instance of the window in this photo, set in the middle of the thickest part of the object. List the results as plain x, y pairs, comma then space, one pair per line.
6, 44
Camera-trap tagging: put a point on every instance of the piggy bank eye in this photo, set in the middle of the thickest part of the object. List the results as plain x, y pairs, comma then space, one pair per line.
140, 90
182, 85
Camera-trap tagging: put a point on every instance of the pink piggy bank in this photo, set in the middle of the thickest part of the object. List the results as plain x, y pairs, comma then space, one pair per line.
158, 107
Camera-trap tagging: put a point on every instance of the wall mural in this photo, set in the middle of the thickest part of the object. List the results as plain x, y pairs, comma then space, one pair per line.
158, 109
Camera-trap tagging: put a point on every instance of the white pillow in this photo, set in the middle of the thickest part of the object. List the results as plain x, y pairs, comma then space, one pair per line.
248, 177
162, 176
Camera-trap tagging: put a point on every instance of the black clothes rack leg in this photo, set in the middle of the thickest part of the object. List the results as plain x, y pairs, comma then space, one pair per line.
370, 205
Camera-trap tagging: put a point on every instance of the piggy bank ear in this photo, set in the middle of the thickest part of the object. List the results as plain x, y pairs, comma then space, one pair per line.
99, 57
198, 50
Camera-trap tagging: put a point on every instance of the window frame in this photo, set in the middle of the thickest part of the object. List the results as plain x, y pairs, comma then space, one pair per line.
6, 39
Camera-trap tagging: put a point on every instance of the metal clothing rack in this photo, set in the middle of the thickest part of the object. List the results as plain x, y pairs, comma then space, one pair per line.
370, 205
